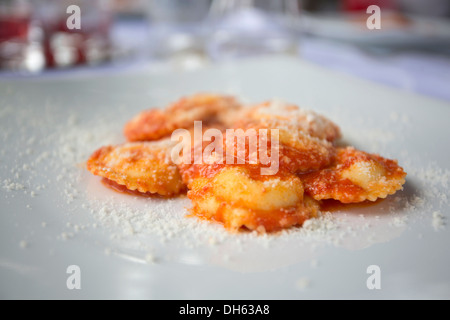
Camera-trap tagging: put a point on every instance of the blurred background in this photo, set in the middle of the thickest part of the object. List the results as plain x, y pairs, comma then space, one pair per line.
411, 50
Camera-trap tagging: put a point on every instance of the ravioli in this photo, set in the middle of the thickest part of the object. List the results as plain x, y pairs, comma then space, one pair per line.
299, 151
355, 176
275, 178
238, 199
142, 166
278, 114
155, 124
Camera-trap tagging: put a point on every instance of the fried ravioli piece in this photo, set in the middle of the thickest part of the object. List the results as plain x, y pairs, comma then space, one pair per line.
298, 150
293, 153
142, 166
355, 176
278, 114
155, 124
238, 198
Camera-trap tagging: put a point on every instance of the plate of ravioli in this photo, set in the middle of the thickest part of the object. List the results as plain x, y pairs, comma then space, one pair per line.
270, 178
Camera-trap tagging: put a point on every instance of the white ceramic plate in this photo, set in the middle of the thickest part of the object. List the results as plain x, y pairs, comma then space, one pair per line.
54, 214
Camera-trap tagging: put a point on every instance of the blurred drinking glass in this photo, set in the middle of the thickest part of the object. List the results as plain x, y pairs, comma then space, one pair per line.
243, 28
20, 38
177, 28
66, 47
